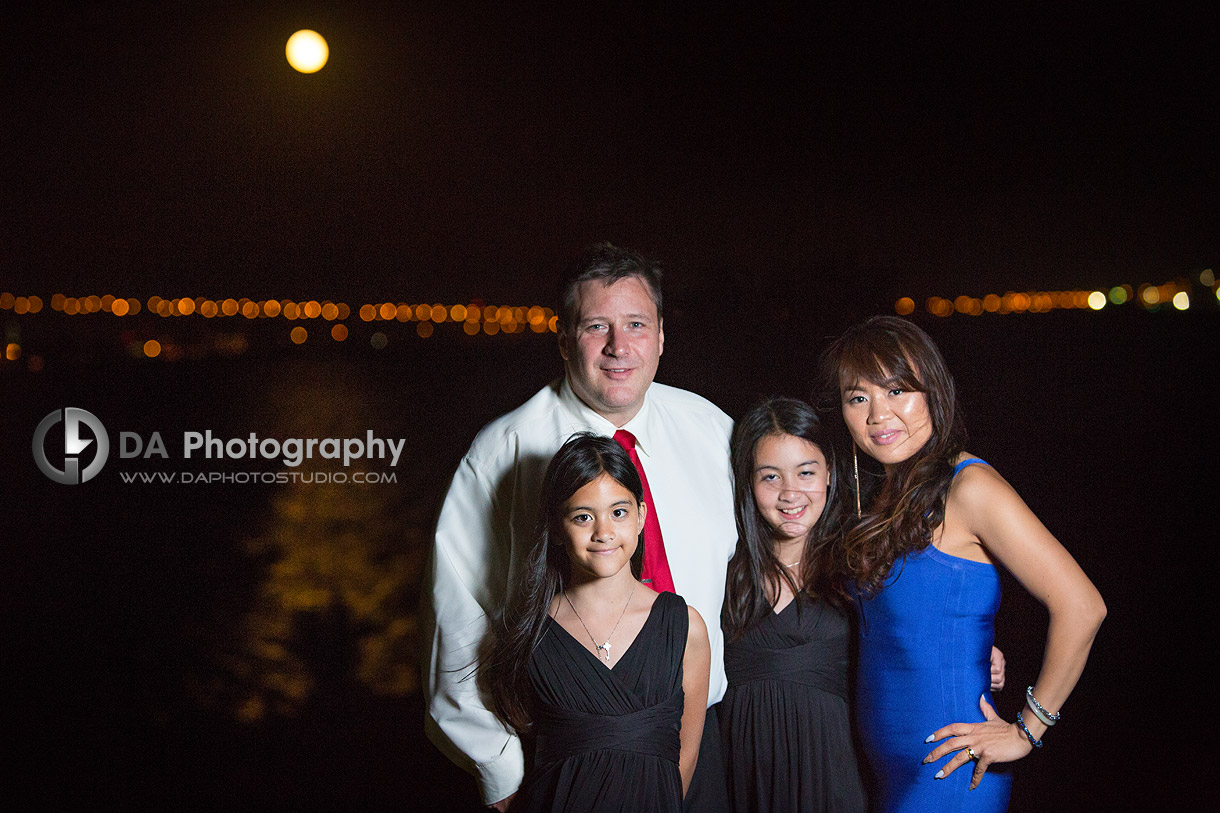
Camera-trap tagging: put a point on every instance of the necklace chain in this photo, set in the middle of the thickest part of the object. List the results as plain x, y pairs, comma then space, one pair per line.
606, 646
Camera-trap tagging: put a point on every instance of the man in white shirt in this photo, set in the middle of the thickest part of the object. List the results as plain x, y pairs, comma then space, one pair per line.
611, 338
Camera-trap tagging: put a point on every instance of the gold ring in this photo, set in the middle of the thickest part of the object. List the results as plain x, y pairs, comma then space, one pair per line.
973, 755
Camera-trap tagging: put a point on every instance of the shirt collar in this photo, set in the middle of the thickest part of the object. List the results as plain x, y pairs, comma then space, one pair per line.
640, 425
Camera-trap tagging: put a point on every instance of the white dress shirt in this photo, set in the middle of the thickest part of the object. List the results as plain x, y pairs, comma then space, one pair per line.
486, 528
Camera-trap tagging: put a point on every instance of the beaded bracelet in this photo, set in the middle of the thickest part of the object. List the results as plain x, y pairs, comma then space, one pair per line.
1035, 743
1039, 712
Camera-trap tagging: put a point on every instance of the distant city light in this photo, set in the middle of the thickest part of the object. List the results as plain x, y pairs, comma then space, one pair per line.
307, 51
1151, 297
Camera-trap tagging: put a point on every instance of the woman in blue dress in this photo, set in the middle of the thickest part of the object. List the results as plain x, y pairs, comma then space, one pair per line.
921, 559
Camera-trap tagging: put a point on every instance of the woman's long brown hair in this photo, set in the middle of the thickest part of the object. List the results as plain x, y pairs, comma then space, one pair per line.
900, 511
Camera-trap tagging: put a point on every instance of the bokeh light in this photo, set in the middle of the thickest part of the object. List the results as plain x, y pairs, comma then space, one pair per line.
307, 51
1097, 300
1181, 300
298, 335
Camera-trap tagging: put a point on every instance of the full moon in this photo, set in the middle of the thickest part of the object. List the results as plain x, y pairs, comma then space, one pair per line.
307, 51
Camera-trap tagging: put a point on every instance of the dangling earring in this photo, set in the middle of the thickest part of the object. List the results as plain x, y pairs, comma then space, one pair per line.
855, 469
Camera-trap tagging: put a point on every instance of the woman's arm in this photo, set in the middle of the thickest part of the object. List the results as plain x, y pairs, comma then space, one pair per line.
983, 504
696, 671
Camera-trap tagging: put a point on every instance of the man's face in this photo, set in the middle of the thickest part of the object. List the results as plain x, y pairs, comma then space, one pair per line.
611, 354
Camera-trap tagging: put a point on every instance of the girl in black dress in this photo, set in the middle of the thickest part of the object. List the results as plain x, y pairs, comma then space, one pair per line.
606, 679
785, 727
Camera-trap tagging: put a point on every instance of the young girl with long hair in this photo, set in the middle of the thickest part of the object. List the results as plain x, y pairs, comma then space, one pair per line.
606, 678
921, 553
786, 733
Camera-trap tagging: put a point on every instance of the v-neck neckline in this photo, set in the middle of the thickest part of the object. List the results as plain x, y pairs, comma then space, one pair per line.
777, 613
630, 646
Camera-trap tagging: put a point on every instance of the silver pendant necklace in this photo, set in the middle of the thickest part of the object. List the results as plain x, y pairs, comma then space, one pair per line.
606, 646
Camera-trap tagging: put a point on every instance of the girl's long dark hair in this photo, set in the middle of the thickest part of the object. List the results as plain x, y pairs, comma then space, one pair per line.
755, 571
505, 672
900, 511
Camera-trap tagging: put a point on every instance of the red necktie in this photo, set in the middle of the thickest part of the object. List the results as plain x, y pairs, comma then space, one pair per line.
656, 565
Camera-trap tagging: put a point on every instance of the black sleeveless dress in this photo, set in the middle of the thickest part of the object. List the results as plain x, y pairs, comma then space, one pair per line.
607, 739
784, 721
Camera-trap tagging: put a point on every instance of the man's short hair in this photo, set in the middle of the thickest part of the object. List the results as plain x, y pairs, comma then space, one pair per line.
606, 263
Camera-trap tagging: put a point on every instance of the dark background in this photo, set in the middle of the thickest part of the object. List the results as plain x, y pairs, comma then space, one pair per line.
796, 168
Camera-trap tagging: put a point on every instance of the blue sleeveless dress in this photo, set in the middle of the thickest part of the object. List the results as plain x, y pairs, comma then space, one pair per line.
924, 660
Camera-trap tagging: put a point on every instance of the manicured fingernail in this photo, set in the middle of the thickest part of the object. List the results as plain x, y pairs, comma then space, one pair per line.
930, 738
940, 775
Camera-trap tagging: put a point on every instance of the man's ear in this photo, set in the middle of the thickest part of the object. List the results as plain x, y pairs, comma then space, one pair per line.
660, 337
563, 344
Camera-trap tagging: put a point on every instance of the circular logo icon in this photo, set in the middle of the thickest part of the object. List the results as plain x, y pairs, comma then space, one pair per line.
74, 444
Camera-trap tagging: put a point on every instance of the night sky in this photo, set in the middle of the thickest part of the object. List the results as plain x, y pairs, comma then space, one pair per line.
458, 150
